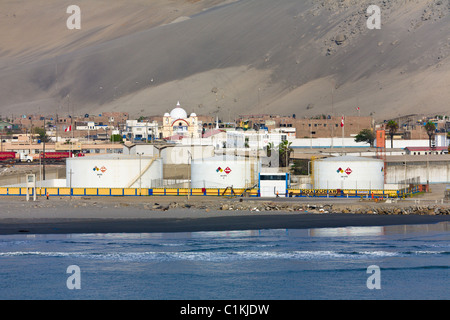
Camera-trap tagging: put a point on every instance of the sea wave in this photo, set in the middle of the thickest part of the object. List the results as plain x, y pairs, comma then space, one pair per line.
224, 255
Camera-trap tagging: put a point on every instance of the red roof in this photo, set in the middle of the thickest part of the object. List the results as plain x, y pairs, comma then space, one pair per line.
209, 133
175, 137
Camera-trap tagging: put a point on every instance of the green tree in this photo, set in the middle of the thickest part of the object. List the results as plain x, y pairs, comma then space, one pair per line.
269, 148
116, 138
365, 135
392, 127
300, 167
284, 151
430, 127
42, 133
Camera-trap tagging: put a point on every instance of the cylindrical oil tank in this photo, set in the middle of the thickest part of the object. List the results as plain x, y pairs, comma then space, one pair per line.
114, 171
225, 171
348, 172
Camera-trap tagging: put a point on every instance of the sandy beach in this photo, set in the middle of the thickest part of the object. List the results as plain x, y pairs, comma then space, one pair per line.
179, 214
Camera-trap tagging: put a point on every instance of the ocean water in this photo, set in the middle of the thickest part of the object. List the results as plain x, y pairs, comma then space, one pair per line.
333, 263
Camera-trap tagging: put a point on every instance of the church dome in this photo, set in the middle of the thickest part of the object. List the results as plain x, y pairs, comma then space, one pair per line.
178, 113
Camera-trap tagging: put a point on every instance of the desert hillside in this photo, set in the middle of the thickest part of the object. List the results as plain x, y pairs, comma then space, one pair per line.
224, 57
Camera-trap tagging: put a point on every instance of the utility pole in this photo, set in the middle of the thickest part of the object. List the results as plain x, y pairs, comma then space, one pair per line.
70, 182
140, 171
43, 159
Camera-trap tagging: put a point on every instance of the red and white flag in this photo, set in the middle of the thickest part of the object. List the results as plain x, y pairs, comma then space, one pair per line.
69, 128
342, 121
357, 108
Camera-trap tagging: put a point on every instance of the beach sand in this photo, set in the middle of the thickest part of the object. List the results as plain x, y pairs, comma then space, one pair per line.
179, 214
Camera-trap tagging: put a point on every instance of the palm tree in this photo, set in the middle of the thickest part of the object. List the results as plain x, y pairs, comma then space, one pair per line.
392, 126
431, 129
284, 152
269, 149
44, 138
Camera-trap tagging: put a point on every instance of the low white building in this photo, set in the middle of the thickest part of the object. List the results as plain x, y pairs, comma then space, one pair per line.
273, 184
141, 131
328, 143
91, 125
254, 140
212, 137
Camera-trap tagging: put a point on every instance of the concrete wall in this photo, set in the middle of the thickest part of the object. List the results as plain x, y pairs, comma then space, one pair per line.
15, 177
434, 172
184, 154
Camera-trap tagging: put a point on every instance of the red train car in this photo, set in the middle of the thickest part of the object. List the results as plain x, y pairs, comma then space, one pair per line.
55, 156
7, 156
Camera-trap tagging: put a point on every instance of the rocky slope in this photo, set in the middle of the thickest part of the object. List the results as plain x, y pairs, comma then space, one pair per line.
226, 57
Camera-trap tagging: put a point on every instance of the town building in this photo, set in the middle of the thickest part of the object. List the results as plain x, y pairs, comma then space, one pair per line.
323, 126
141, 130
178, 124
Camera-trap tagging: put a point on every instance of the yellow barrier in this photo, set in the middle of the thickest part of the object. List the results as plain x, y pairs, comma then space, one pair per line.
197, 192
91, 191
78, 192
129, 192
64, 191
54, 191
117, 192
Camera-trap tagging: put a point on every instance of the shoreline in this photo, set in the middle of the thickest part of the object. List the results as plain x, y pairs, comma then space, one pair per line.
239, 223
178, 214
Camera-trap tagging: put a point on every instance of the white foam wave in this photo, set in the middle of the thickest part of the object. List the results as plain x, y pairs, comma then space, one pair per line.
217, 256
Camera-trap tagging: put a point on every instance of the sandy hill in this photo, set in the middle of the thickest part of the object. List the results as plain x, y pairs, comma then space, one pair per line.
225, 58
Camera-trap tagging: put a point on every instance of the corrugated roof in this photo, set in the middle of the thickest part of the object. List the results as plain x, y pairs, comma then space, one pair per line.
426, 148
349, 158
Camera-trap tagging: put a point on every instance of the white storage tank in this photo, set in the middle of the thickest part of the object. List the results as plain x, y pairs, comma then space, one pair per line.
225, 171
348, 172
114, 171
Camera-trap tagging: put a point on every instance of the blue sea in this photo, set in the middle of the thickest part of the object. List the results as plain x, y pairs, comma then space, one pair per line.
402, 262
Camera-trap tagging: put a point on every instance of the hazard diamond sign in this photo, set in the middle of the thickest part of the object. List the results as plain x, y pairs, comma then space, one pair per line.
348, 171
227, 170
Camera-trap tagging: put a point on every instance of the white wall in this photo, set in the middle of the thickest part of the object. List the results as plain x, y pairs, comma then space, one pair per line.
327, 143
401, 144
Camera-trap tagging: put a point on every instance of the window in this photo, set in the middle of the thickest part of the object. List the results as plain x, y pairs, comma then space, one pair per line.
273, 177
